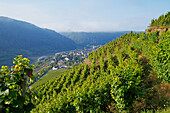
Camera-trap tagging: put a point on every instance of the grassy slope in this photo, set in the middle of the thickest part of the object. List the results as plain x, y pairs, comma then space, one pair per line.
52, 74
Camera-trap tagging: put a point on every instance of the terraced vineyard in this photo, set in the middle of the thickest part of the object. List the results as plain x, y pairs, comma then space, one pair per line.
129, 74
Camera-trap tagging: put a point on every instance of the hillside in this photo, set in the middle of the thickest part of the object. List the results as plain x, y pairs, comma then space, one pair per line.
18, 37
161, 24
162, 21
130, 74
93, 38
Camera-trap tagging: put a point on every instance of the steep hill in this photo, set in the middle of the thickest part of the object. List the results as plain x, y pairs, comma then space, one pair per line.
93, 38
130, 74
19, 37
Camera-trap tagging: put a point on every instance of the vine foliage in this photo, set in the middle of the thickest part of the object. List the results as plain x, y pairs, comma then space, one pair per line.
14, 94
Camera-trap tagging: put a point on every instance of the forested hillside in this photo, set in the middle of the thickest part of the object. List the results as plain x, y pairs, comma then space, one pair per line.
18, 37
130, 74
93, 38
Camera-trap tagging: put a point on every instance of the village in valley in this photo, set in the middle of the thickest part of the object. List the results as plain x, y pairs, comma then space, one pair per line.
60, 60
67, 59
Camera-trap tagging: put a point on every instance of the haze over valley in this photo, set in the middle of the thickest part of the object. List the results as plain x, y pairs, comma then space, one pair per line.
19, 37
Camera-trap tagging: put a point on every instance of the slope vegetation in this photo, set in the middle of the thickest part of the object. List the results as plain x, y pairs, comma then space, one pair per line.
129, 74
162, 21
161, 24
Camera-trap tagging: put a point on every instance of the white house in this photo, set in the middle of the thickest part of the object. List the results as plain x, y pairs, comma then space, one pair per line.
67, 59
54, 68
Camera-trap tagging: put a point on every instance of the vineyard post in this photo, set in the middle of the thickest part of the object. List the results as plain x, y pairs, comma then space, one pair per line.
28, 73
24, 86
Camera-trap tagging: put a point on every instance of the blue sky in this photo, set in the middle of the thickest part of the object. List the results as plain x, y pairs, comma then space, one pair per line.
86, 15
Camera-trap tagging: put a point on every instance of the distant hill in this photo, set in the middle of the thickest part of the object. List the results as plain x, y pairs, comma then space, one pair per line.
93, 38
19, 37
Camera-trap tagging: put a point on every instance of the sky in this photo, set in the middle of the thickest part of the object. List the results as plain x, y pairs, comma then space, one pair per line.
86, 15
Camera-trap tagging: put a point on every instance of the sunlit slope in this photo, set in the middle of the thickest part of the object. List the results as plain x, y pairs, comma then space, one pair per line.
128, 74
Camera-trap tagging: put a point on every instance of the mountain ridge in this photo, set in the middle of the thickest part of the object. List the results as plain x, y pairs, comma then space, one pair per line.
21, 37
93, 38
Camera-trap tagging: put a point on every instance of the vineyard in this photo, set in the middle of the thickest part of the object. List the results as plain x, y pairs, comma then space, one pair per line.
130, 74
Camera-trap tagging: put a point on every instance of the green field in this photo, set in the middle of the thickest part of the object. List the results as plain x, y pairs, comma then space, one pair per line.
52, 74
